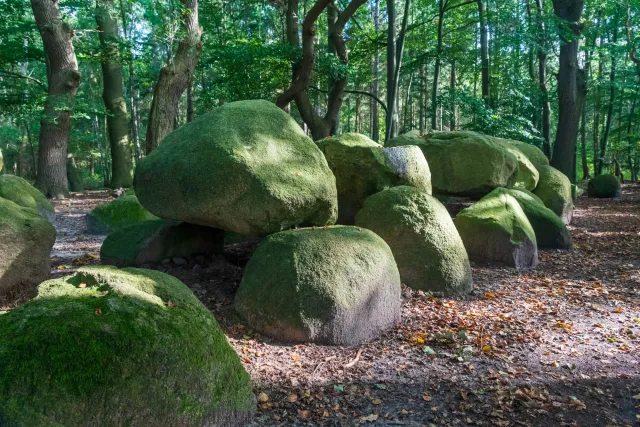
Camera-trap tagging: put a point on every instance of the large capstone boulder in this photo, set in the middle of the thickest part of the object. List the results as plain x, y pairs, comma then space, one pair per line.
24, 194
554, 189
533, 153
150, 242
551, 232
109, 347
604, 187
331, 285
26, 239
464, 163
496, 231
245, 167
363, 167
425, 243
117, 214
528, 175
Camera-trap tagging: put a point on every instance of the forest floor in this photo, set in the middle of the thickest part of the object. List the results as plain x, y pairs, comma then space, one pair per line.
559, 346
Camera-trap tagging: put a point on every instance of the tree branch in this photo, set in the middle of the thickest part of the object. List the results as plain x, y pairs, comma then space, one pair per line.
632, 52
455, 6
23, 76
358, 92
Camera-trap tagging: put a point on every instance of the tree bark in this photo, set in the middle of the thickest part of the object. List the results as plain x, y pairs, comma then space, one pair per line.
174, 78
564, 149
484, 52
542, 76
113, 95
423, 98
452, 89
612, 99
436, 67
391, 67
63, 80
375, 111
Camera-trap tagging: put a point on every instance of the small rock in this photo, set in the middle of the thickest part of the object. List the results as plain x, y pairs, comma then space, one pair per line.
179, 261
165, 261
197, 268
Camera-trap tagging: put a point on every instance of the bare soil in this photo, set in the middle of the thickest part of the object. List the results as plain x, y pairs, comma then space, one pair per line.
559, 346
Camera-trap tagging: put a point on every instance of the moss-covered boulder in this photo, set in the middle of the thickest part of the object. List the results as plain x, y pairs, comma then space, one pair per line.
604, 187
527, 173
150, 242
551, 232
24, 194
425, 243
26, 239
245, 167
496, 231
554, 189
331, 285
533, 153
117, 214
109, 347
363, 167
464, 163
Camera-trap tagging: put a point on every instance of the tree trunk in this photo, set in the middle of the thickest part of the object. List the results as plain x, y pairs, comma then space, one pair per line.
174, 78
63, 80
542, 76
436, 68
452, 89
391, 67
113, 95
612, 99
484, 51
375, 110
423, 98
564, 149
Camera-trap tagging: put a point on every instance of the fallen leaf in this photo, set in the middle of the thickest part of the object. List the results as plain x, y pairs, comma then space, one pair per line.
369, 418
82, 285
292, 398
376, 401
427, 397
262, 397
295, 357
98, 311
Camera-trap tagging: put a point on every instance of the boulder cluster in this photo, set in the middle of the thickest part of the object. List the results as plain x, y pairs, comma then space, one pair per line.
344, 222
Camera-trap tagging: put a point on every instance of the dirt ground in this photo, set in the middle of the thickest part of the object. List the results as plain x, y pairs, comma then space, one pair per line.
559, 346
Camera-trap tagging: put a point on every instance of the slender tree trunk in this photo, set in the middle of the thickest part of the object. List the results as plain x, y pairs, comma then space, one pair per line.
484, 52
63, 80
174, 78
392, 89
391, 67
542, 76
113, 95
564, 148
612, 99
423, 98
190, 112
375, 84
452, 89
436, 68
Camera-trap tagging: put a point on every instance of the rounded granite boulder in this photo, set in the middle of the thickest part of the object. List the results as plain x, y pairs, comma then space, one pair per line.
24, 194
363, 167
604, 186
245, 167
528, 175
424, 241
496, 230
464, 163
554, 189
26, 239
117, 214
108, 347
331, 285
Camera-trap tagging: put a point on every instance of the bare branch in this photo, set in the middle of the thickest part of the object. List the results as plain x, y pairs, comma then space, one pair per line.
23, 76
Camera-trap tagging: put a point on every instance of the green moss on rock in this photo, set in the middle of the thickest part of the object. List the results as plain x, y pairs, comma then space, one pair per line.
117, 214
245, 167
26, 239
331, 285
464, 163
554, 189
533, 153
496, 230
128, 347
528, 175
551, 232
363, 167
24, 194
424, 241
604, 187
150, 242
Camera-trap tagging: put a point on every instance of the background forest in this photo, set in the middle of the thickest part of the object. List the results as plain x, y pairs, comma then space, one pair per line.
371, 67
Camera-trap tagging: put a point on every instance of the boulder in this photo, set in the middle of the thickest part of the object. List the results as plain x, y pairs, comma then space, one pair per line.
150, 242
604, 187
533, 153
527, 173
117, 214
363, 167
464, 163
496, 231
109, 347
554, 189
551, 232
332, 285
425, 243
26, 239
24, 194
245, 167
